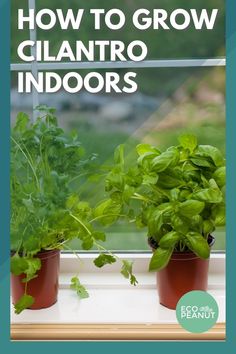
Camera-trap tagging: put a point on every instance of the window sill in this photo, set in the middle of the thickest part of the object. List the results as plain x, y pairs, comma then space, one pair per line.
115, 310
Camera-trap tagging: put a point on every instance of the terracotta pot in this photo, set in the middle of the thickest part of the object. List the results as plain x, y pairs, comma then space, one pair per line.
185, 272
44, 288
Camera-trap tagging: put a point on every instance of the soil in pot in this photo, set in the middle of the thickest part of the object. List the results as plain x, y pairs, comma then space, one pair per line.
185, 272
44, 288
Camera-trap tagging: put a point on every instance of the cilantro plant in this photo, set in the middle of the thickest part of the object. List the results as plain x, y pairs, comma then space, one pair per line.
47, 166
178, 194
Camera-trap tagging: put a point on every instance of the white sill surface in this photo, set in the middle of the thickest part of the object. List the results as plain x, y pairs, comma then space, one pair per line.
112, 300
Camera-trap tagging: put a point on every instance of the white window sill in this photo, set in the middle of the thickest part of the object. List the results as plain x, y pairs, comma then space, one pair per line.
112, 300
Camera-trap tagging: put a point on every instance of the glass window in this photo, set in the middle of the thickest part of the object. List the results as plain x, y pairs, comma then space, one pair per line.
169, 100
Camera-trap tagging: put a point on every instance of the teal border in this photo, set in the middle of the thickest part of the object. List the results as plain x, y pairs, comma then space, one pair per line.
169, 347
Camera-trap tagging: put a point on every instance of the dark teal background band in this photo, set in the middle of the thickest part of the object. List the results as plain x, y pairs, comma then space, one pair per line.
231, 171
4, 168
94, 347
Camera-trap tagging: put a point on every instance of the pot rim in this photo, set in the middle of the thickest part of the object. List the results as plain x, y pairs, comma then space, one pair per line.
44, 254
177, 255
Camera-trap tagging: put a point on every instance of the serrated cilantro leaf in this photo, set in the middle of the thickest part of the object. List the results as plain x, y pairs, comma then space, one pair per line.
18, 265
104, 259
127, 272
79, 288
25, 302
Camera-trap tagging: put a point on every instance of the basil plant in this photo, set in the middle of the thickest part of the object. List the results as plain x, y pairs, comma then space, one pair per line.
177, 194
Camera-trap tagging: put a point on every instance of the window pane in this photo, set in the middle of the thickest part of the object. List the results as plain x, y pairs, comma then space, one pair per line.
189, 43
168, 102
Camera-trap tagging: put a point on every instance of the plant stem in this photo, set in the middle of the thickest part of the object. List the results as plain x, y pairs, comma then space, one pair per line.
81, 223
104, 249
29, 162
106, 215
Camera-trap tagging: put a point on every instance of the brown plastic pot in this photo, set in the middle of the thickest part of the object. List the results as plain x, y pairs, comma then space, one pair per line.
44, 288
185, 272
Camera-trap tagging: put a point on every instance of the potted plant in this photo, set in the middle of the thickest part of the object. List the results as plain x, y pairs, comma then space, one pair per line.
47, 211
181, 200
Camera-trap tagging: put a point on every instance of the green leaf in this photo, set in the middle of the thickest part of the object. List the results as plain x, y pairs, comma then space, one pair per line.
209, 195
168, 180
79, 288
151, 178
33, 266
104, 259
169, 240
32, 245
128, 193
202, 162
108, 211
167, 158
146, 148
145, 161
180, 224
188, 141
98, 235
190, 208
160, 259
87, 243
155, 222
196, 223
208, 227
72, 201
127, 272
25, 302
22, 121
219, 214
18, 265
174, 194
219, 176
210, 152
119, 155
198, 244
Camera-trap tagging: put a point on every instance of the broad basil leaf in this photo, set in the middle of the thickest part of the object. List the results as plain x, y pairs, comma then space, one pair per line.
166, 159
168, 181
169, 240
108, 211
210, 152
146, 148
180, 224
219, 176
154, 224
198, 244
218, 214
209, 195
202, 162
190, 208
208, 227
160, 259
